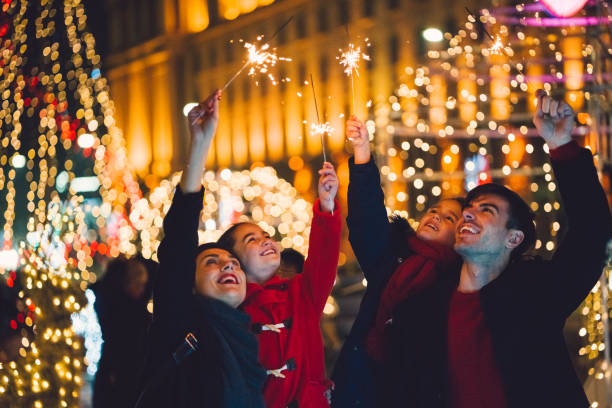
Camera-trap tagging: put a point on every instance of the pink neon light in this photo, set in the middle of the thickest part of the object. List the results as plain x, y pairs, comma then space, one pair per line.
555, 22
563, 8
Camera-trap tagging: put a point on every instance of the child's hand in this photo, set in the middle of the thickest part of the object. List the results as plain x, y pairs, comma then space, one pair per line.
328, 187
204, 117
357, 134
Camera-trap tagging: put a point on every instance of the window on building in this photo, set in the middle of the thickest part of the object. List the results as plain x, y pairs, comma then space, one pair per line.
281, 37
344, 12
393, 4
324, 67
212, 59
368, 8
394, 49
302, 73
229, 51
300, 25
323, 19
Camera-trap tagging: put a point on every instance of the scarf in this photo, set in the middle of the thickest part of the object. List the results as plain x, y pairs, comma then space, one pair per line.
426, 262
242, 376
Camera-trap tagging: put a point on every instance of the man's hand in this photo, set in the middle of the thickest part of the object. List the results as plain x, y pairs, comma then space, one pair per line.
357, 134
328, 187
554, 120
204, 117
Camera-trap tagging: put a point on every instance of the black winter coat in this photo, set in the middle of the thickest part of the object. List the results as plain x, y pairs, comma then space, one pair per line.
525, 309
380, 247
216, 374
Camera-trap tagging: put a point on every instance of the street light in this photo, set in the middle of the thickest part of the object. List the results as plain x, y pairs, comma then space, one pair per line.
189, 107
433, 34
18, 161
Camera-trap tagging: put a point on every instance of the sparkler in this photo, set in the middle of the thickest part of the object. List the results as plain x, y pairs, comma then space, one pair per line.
350, 60
261, 59
497, 46
319, 128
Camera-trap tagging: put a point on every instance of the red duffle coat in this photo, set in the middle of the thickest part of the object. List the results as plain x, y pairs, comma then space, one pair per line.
294, 346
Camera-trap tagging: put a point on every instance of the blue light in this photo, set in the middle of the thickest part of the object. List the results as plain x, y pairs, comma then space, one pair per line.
86, 324
95, 73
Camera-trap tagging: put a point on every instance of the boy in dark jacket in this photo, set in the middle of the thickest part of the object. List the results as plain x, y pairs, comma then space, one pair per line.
492, 334
396, 263
198, 290
286, 312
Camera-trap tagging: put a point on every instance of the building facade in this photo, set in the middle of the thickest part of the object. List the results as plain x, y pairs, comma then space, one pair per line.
164, 54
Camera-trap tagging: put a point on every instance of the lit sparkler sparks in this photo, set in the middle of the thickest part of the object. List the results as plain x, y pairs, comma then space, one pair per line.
260, 59
321, 129
497, 46
350, 60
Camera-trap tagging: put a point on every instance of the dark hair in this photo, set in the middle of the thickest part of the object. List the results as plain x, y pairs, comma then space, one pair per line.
291, 257
520, 216
226, 240
460, 200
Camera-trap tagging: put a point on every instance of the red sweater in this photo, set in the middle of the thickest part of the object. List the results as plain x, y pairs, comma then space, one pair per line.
297, 303
474, 377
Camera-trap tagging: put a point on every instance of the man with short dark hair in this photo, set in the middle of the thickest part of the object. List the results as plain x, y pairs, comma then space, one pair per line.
491, 335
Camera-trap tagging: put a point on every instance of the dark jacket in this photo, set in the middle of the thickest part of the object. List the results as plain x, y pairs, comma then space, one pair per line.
124, 323
223, 372
380, 247
525, 309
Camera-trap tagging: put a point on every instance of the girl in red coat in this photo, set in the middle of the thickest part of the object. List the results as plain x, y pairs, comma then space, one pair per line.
285, 312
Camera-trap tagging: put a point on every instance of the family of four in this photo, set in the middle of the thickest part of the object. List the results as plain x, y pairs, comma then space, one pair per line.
454, 315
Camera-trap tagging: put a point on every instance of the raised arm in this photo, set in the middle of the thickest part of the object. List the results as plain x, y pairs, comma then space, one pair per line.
578, 261
367, 220
321, 263
174, 283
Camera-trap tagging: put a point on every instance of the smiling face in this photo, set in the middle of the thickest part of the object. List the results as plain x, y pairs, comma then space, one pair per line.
484, 231
259, 254
219, 276
439, 222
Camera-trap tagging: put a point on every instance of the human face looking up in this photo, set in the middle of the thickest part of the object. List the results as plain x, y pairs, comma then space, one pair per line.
259, 254
439, 222
483, 229
219, 276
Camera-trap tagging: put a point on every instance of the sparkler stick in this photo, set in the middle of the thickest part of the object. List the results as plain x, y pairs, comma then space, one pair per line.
321, 129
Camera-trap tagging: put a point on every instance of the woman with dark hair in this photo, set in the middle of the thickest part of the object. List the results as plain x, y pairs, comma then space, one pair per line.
197, 291
122, 295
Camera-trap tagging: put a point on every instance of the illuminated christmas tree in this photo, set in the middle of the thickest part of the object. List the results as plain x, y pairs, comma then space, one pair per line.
50, 368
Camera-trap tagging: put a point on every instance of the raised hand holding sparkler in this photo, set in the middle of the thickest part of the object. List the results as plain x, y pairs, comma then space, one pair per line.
357, 134
328, 187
